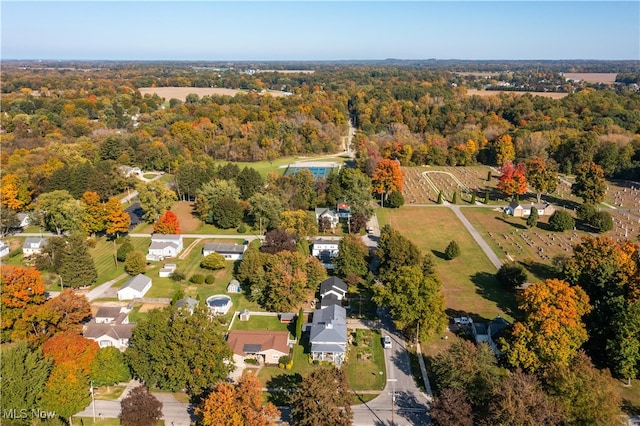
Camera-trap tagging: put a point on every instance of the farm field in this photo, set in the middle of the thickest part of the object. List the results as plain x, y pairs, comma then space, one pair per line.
593, 77
552, 95
182, 92
469, 283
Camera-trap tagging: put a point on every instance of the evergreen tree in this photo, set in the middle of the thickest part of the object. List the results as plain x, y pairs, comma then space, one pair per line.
77, 266
473, 198
452, 251
532, 220
439, 197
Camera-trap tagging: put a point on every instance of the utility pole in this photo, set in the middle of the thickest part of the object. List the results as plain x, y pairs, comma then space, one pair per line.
393, 401
93, 398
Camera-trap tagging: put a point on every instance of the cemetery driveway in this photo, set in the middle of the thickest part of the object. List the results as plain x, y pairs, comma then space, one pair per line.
476, 236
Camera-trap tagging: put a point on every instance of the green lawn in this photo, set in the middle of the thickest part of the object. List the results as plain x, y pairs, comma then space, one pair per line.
109, 393
264, 167
470, 287
365, 361
258, 322
104, 257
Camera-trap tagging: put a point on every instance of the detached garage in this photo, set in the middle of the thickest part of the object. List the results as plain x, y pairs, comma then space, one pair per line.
135, 288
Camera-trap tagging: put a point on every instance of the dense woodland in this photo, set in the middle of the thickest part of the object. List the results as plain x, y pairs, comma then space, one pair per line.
67, 128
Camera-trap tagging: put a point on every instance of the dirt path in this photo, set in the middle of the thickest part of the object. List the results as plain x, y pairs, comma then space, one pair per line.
186, 252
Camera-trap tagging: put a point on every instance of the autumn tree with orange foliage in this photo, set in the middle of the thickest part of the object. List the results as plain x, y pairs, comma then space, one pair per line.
66, 312
21, 287
167, 224
513, 180
387, 177
552, 330
71, 348
237, 405
14, 192
117, 221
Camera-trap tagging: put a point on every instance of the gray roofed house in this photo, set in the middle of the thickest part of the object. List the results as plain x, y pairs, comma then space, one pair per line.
489, 332
188, 303
24, 219
33, 245
328, 334
110, 327
228, 251
333, 285
329, 213
135, 287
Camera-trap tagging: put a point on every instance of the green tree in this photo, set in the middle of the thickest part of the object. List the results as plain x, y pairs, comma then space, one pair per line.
352, 257
77, 266
454, 198
452, 251
226, 213
125, 248
532, 220
298, 223
251, 271
541, 177
173, 351
395, 251
299, 324
66, 391
286, 281
353, 186
109, 368
24, 374
552, 330
601, 221
589, 184
155, 199
413, 300
473, 198
135, 263
323, 398
249, 182
624, 347
396, 200
61, 211
440, 198
140, 408
265, 211
511, 275
213, 261
561, 220
8, 220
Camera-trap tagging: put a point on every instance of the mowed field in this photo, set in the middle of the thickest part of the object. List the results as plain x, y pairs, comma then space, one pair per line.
469, 281
182, 92
552, 95
593, 77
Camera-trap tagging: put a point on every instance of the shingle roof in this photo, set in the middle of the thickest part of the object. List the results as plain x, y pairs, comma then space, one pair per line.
225, 248
335, 284
108, 312
139, 282
166, 237
239, 339
115, 331
331, 314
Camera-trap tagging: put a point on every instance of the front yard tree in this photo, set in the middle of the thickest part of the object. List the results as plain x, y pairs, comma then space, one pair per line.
108, 367
135, 263
155, 199
140, 408
61, 211
352, 257
513, 180
77, 266
298, 223
278, 240
387, 177
117, 221
237, 405
66, 391
94, 213
173, 351
589, 184
226, 213
395, 251
322, 399
167, 223
552, 330
541, 177
413, 300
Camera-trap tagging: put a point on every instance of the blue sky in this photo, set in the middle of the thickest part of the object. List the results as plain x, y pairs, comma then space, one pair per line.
326, 30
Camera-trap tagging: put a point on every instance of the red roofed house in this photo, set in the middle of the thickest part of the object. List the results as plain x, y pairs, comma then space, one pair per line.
265, 346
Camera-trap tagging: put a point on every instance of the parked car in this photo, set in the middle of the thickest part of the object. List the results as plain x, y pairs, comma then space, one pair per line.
386, 342
463, 321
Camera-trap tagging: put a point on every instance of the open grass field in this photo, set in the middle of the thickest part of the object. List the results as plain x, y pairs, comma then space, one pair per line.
263, 322
470, 287
365, 361
182, 92
593, 77
103, 257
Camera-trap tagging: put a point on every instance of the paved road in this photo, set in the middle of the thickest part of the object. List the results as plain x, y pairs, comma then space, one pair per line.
411, 404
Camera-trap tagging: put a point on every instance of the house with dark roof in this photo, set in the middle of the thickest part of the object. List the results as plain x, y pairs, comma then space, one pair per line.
228, 251
135, 288
263, 345
489, 332
110, 327
328, 334
325, 250
335, 286
164, 245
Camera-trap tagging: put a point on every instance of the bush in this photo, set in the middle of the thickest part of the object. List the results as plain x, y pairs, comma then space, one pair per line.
213, 261
252, 361
209, 279
452, 251
242, 228
91, 242
395, 200
284, 360
532, 220
561, 220
454, 199
177, 276
511, 275
197, 279
601, 221
439, 197
124, 250
586, 212
473, 198
486, 197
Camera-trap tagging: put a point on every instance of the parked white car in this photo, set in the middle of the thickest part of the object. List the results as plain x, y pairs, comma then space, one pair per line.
463, 321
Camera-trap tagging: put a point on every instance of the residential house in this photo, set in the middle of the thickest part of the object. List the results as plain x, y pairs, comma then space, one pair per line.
325, 250
163, 246
129, 171
523, 210
135, 288
265, 346
343, 209
234, 287
489, 332
33, 245
328, 334
228, 251
167, 269
335, 286
188, 303
4, 249
110, 327
329, 213
24, 219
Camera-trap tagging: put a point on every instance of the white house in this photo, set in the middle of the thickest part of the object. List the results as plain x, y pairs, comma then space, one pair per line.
110, 327
523, 210
33, 245
228, 251
325, 250
163, 246
25, 220
329, 213
129, 171
328, 336
167, 270
135, 288
4, 249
